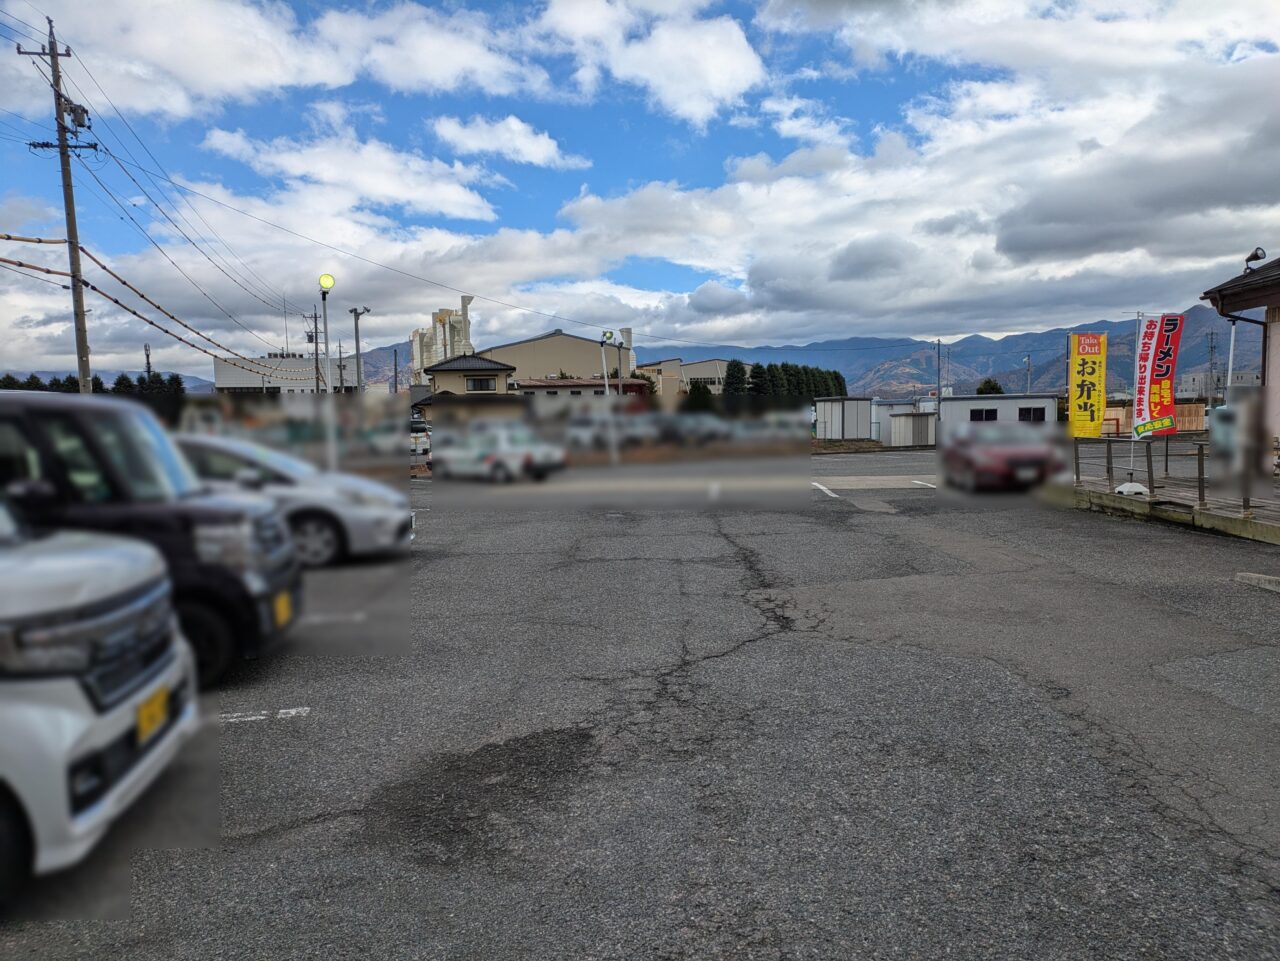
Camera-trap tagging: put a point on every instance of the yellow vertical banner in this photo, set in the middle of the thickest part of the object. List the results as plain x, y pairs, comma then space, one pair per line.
1087, 384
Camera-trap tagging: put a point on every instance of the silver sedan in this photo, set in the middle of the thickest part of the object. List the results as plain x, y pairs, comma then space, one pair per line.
331, 514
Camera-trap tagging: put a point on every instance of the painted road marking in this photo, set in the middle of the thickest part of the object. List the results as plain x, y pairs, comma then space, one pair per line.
350, 617
926, 484
237, 717
871, 482
1265, 581
825, 490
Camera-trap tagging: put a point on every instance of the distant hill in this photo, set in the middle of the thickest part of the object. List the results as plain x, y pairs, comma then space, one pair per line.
905, 366
194, 384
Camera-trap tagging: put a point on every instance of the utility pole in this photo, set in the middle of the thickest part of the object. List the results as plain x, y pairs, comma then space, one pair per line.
357, 313
342, 382
937, 407
1028, 373
395, 371
1213, 356
63, 109
313, 338
146, 349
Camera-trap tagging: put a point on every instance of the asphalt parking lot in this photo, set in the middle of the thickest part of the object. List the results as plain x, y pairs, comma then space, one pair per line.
883, 723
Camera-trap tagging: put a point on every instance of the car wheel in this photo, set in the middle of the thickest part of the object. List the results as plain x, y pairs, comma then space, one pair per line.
316, 539
211, 638
15, 848
500, 474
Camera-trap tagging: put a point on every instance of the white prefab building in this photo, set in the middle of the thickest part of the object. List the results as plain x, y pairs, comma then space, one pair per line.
998, 408
881, 411
911, 429
842, 418
292, 373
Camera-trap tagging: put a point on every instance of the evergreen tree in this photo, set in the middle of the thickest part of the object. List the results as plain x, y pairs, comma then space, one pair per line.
842, 388
68, 385
990, 386
9, 382
758, 382
124, 385
698, 400
97, 385
777, 385
791, 374
33, 383
735, 378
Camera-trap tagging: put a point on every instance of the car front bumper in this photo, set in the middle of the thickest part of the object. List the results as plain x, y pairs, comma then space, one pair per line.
52, 731
376, 530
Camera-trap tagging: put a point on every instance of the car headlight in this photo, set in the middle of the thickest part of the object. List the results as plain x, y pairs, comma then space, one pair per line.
65, 645
229, 544
362, 498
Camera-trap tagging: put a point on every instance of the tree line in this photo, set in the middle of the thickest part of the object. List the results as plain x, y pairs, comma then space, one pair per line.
783, 380
162, 394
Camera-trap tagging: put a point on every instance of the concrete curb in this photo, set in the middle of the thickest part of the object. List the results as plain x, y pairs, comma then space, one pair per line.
1144, 509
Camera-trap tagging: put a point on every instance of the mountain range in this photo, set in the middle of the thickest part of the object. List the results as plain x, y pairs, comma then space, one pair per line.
906, 366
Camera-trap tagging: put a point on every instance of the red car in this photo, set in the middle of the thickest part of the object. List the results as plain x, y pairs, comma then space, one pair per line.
993, 456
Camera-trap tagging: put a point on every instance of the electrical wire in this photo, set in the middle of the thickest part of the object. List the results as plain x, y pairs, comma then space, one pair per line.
263, 284
43, 280
119, 203
11, 16
265, 369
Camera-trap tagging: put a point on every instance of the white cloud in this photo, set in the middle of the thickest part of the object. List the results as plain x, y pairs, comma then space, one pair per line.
691, 67
509, 137
367, 172
797, 118
199, 54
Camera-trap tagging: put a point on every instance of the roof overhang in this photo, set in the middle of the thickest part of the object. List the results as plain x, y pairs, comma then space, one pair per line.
1254, 288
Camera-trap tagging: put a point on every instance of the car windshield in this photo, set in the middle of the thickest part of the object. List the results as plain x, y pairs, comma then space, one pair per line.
8, 525
1008, 434
145, 458
278, 462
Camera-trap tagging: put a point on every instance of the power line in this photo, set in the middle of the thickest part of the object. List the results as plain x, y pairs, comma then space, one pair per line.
6, 13
43, 280
155, 243
142, 143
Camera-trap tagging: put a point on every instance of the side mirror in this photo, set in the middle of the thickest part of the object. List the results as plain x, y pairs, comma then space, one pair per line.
250, 477
32, 494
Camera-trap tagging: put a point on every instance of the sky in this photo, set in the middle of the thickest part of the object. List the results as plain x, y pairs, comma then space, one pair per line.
784, 171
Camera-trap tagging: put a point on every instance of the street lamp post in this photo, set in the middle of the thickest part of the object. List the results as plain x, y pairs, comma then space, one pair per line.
604, 364
330, 413
621, 373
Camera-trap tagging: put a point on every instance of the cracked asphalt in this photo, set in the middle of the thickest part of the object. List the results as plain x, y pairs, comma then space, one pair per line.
938, 728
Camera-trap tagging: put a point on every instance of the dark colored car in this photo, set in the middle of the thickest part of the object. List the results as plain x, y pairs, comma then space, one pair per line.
107, 465
993, 456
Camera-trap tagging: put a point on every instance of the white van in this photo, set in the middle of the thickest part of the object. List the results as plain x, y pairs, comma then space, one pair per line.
97, 690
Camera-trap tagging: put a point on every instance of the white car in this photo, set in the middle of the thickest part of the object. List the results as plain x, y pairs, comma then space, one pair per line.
498, 452
97, 691
330, 514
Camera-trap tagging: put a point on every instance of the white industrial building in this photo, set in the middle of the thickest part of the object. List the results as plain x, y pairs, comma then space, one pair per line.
997, 408
842, 418
283, 373
881, 411
448, 336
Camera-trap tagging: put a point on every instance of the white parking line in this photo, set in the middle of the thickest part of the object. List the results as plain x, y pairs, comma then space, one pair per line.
282, 714
825, 490
350, 617
926, 484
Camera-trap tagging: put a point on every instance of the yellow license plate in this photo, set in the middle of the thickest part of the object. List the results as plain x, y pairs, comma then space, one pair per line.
153, 713
283, 608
